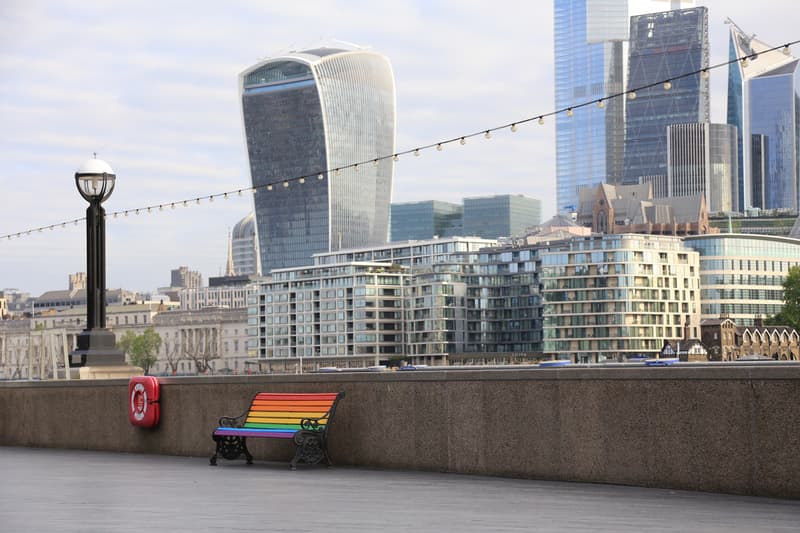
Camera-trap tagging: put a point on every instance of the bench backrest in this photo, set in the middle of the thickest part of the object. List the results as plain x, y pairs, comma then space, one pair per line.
281, 411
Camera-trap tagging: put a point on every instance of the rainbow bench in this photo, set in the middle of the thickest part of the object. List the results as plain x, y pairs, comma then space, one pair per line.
303, 417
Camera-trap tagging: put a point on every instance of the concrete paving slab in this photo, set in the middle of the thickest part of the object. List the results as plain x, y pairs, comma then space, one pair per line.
81, 491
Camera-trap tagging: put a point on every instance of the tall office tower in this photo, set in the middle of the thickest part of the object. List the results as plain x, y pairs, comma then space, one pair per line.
426, 219
763, 100
588, 57
244, 258
663, 46
308, 114
505, 215
701, 158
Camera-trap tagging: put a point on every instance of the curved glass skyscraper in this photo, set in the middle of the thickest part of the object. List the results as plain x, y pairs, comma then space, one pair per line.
307, 114
763, 105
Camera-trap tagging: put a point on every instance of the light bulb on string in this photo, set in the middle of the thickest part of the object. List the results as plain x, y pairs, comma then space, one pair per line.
601, 104
239, 192
225, 196
744, 61
355, 167
125, 213
488, 134
704, 74
667, 85
197, 201
115, 216
269, 187
395, 158
632, 95
541, 121
439, 147
374, 162
786, 50
569, 112
161, 208
416, 152
463, 141
185, 204
137, 211
301, 180
211, 198
172, 205
285, 184
320, 177
513, 128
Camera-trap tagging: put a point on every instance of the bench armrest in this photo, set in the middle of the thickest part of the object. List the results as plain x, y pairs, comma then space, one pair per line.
231, 421
313, 424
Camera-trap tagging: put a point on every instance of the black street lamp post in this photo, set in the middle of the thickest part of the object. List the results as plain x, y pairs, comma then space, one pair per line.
96, 344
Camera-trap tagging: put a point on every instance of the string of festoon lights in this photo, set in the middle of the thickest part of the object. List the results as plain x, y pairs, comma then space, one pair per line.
321, 175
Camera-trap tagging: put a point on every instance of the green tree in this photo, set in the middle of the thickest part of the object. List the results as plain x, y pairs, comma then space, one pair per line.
142, 349
790, 314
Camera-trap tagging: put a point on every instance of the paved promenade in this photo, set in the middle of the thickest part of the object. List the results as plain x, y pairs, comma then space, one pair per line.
66, 491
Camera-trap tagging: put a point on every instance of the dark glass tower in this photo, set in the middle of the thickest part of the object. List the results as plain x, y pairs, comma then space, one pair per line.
308, 114
662, 47
588, 66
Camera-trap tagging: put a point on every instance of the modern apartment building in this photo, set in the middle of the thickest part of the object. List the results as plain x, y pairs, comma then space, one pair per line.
663, 47
308, 115
741, 276
613, 297
589, 36
763, 105
346, 314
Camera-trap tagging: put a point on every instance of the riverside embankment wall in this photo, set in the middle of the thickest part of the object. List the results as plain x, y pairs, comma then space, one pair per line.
719, 428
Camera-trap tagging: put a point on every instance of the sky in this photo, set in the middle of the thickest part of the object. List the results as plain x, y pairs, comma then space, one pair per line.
151, 88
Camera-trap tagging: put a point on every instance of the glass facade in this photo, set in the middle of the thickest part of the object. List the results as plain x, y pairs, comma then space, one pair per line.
309, 114
614, 297
763, 105
424, 220
588, 66
663, 46
244, 247
701, 158
742, 275
506, 215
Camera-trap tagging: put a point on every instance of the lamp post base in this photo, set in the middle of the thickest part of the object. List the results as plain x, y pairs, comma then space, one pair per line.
123, 371
96, 347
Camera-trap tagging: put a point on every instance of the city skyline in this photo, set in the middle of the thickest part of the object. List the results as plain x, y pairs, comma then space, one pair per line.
155, 96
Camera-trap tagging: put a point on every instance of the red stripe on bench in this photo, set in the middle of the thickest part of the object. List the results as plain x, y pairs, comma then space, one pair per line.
290, 396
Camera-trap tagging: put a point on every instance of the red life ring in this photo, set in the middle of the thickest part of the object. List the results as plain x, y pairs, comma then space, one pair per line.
143, 401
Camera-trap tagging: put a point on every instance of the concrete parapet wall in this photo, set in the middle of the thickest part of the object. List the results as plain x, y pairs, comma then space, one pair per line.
719, 428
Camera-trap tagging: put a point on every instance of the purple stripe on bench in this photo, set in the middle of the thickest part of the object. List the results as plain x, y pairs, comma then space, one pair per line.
247, 432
